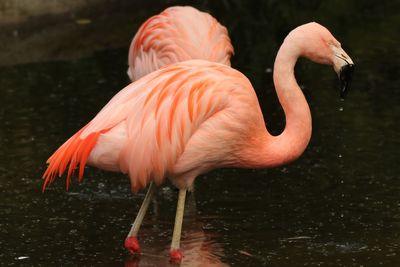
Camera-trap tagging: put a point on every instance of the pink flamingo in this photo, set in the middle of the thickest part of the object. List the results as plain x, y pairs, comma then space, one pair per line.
191, 117
177, 34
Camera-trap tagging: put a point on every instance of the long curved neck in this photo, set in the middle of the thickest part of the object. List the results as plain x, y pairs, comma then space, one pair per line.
291, 143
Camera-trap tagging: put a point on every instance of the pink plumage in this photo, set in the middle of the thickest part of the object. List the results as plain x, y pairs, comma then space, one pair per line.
177, 34
188, 118
174, 122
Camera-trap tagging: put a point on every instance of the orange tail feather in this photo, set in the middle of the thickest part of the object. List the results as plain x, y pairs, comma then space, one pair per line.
75, 151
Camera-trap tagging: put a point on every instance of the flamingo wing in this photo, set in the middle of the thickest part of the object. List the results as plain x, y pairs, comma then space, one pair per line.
156, 117
177, 34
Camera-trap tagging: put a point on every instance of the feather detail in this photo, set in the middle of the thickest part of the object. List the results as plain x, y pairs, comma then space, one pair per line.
145, 128
177, 34
75, 151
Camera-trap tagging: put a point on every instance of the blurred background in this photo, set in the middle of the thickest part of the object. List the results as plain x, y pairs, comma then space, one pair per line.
338, 205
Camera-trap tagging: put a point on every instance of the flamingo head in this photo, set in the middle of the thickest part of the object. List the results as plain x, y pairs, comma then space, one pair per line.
318, 44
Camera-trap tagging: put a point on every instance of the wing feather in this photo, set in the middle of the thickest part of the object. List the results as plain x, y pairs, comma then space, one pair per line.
160, 113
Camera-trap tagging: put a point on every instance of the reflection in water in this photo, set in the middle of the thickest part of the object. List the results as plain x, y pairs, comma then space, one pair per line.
199, 247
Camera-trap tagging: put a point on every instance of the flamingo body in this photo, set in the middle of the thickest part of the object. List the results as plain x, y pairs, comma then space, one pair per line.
190, 117
177, 34
179, 121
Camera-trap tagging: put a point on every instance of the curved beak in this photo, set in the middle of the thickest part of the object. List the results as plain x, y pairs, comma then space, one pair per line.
345, 77
344, 68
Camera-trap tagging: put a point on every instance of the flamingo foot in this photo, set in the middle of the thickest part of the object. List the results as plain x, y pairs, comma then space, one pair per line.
132, 244
175, 255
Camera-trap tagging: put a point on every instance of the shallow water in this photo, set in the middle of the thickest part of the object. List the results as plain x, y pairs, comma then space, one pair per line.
338, 205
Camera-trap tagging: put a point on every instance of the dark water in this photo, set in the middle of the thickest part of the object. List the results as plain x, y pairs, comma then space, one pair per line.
338, 205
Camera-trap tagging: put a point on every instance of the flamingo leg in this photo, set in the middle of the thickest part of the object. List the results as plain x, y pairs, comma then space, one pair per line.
131, 242
175, 253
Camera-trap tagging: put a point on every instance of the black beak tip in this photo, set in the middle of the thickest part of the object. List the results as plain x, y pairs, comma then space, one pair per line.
345, 77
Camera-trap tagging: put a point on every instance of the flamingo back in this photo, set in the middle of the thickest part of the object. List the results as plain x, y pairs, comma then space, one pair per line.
177, 34
147, 129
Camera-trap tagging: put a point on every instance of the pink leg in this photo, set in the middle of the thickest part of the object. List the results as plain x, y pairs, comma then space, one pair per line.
175, 252
131, 243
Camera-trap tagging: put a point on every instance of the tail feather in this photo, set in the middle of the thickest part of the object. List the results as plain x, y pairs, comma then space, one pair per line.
75, 151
